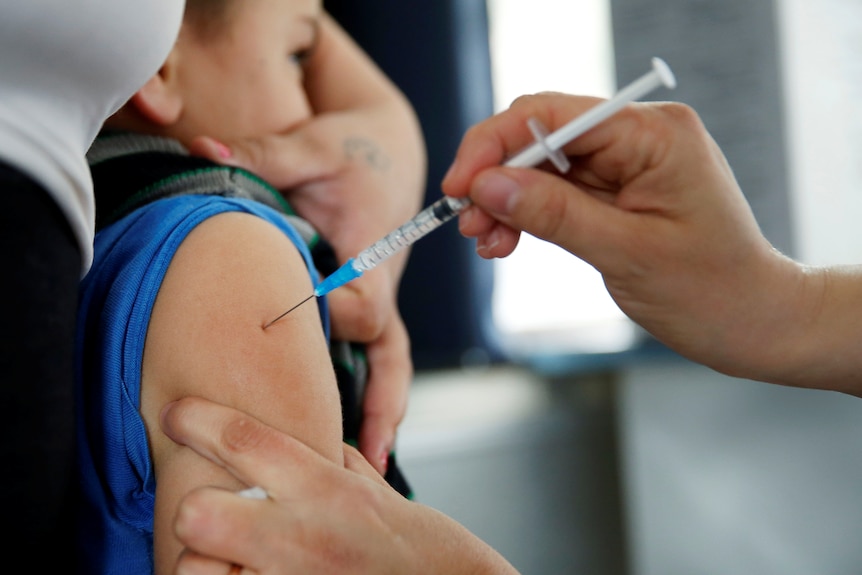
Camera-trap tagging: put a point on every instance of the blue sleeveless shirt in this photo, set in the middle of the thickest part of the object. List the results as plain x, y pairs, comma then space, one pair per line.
117, 484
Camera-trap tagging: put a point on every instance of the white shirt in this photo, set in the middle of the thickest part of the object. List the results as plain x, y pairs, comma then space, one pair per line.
65, 66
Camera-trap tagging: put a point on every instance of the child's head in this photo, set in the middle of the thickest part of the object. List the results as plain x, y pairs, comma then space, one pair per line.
235, 71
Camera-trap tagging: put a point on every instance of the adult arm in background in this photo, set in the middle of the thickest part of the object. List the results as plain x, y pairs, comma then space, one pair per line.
356, 170
320, 517
652, 204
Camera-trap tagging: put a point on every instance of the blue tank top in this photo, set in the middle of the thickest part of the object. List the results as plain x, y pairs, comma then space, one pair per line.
115, 528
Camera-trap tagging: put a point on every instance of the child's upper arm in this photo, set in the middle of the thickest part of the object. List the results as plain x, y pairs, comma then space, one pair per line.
231, 275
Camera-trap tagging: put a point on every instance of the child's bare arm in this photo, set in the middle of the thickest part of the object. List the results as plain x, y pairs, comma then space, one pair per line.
232, 274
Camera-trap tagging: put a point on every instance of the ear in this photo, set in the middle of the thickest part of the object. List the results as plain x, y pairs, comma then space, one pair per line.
160, 100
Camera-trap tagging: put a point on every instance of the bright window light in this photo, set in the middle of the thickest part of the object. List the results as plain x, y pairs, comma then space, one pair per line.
544, 298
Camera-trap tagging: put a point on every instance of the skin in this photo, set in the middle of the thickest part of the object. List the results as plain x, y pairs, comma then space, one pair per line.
283, 375
356, 170
650, 202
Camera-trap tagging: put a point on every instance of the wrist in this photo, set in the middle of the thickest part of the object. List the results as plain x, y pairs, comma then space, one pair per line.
824, 345
774, 338
445, 547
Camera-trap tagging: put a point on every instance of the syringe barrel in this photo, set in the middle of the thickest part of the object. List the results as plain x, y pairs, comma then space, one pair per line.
418, 227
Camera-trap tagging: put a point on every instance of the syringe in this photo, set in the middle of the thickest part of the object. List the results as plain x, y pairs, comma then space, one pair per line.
546, 147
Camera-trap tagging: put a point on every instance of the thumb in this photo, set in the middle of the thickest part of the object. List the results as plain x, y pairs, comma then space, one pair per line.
283, 160
548, 207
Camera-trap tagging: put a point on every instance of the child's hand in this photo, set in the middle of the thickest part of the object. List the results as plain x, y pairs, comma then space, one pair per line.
365, 311
387, 391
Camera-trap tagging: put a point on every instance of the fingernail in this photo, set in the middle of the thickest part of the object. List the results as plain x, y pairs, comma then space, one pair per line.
466, 217
491, 242
496, 193
223, 151
255, 492
384, 461
449, 172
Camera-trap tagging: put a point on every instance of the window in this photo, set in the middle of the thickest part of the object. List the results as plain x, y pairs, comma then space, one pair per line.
544, 298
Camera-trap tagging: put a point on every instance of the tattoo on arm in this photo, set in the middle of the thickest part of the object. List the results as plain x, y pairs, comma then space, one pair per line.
367, 151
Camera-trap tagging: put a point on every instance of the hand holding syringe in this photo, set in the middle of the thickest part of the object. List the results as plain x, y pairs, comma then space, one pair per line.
546, 147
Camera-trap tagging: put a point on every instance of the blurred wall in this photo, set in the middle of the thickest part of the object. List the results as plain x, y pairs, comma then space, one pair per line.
725, 54
726, 476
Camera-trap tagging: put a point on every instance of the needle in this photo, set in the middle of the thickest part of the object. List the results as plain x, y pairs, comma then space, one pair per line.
288, 311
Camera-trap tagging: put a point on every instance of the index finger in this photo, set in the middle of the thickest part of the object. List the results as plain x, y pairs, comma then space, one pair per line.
285, 160
250, 450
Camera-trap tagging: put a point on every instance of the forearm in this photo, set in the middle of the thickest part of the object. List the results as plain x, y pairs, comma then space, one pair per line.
444, 547
381, 130
339, 62
797, 325
824, 331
